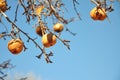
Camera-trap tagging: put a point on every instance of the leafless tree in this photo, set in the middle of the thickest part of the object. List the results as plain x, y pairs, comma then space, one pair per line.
4, 66
47, 8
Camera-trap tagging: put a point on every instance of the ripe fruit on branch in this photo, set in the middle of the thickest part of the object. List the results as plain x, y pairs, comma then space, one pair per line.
15, 46
3, 5
98, 13
58, 27
39, 30
49, 40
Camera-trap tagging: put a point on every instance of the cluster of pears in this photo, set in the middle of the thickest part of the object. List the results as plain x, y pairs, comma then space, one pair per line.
15, 46
49, 39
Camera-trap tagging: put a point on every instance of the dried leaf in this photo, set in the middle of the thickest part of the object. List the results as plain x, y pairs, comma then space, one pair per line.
39, 10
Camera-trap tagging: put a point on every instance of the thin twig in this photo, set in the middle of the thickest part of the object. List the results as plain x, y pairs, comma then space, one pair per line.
95, 3
56, 13
74, 5
16, 13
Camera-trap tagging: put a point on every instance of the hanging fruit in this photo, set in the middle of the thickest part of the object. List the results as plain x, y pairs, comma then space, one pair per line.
98, 13
58, 27
3, 5
39, 31
15, 46
49, 40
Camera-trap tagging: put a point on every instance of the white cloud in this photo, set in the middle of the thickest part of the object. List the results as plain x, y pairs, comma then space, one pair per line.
18, 76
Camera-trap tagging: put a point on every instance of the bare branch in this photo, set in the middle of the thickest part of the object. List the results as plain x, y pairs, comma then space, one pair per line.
74, 5
4, 66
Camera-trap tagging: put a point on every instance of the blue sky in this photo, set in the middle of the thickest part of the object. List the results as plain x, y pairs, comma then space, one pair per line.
94, 54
